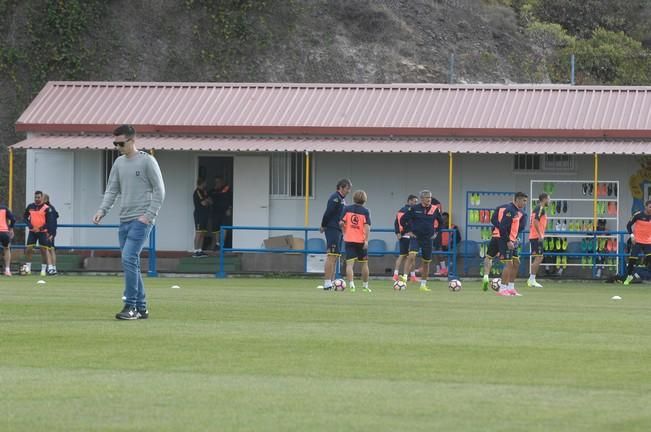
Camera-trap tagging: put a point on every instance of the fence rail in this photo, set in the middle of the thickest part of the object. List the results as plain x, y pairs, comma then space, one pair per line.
151, 249
452, 254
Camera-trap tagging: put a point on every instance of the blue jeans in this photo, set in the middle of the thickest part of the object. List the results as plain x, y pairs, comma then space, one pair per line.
133, 235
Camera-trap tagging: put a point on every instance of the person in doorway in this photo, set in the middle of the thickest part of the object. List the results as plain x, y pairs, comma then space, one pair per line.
201, 216
37, 217
422, 222
443, 242
7, 221
356, 225
639, 228
403, 238
137, 178
52, 233
330, 226
222, 211
538, 225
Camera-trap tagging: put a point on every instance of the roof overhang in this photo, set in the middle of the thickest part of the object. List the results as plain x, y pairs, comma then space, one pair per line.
344, 145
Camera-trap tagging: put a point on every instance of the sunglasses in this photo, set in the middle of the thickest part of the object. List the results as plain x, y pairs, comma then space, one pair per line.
120, 143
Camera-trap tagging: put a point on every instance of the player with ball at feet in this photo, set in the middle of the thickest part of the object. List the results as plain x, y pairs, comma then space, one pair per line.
507, 220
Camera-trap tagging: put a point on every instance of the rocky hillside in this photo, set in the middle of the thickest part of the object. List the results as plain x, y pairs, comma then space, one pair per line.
364, 41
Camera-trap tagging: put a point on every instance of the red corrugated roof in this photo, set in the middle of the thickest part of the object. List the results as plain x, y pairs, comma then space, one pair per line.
337, 109
372, 145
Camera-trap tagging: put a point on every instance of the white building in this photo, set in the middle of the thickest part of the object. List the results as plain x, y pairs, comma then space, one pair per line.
390, 140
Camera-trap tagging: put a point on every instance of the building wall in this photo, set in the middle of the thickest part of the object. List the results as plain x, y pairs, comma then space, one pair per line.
387, 178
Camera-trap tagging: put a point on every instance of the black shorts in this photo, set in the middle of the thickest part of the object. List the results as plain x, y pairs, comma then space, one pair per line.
497, 247
333, 241
5, 241
38, 237
218, 219
425, 246
640, 248
404, 246
536, 247
201, 221
356, 251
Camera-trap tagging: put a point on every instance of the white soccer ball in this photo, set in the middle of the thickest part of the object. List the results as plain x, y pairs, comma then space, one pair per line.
454, 285
339, 284
399, 285
495, 284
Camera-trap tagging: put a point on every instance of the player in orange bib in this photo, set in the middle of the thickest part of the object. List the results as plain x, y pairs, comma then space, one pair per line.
356, 226
640, 229
538, 224
38, 217
7, 221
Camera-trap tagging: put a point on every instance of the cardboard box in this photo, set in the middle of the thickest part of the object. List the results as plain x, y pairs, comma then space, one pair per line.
278, 242
296, 243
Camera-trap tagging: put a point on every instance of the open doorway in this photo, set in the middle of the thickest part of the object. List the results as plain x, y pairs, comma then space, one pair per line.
218, 173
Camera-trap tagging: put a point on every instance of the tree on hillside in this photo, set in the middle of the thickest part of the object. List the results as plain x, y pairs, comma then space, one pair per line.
611, 58
581, 17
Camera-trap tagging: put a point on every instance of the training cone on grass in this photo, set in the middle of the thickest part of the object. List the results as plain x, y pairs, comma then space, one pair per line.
40, 281
176, 286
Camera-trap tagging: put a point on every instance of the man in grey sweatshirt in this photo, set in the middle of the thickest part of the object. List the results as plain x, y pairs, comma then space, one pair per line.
136, 177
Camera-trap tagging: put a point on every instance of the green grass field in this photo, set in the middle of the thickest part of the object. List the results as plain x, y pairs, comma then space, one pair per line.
272, 354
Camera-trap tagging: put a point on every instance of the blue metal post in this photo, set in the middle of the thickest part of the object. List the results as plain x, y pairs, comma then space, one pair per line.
572, 69
221, 273
305, 251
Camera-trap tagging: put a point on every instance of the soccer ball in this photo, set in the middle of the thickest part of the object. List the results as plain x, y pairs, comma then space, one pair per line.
23, 270
454, 285
495, 284
399, 285
339, 284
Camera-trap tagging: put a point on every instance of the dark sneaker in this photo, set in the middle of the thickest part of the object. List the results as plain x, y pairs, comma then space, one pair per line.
143, 313
51, 272
128, 313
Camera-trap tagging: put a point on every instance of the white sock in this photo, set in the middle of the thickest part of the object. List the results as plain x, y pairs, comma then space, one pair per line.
511, 285
423, 282
7, 269
396, 272
443, 266
412, 274
438, 268
532, 278
327, 283
351, 284
365, 284
43, 267
503, 287
50, 267
28, 266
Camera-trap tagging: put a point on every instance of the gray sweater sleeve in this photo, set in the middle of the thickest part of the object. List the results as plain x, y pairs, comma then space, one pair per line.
158, 188
112, 191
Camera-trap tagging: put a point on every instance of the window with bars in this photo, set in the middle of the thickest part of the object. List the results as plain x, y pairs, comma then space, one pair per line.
108, 158
559, 162
548, 162
526, 162
287, 173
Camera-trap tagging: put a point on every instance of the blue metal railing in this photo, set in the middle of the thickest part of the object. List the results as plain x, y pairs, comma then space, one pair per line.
152, 269
220, 273
593, 253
